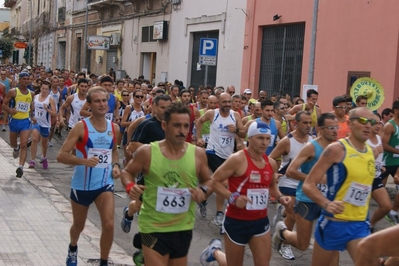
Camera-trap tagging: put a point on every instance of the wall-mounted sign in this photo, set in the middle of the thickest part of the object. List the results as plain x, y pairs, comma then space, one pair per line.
20, 45
96, 42
160, 30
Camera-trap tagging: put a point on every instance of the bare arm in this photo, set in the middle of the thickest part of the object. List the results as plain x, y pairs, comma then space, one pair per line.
386, 135
63, 107
52, 111
85, 110
116, 171
295, 109
334, 153
281, 132
6, 101
241, 129
126, 113
282, 148
306, 154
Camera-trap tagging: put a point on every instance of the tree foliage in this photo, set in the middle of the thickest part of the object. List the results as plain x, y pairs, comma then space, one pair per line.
7, 45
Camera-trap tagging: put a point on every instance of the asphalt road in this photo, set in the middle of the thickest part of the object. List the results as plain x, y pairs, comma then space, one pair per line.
59, 175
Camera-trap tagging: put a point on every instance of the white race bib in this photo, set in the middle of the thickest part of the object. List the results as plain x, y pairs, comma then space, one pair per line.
357, 194
109, 116
259, 198
225, 140
272, 140
396, 155
323, 189
23, 107
39, 112
173, 200
205, 137
104, 156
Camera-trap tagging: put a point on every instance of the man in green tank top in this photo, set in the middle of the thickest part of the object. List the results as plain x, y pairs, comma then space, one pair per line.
390, 143
172, 169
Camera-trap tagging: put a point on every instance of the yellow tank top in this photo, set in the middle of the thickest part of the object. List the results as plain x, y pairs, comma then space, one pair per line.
313, 114
118, 95
351, 181
22, 104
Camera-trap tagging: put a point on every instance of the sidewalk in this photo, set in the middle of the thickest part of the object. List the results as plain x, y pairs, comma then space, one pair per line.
35, 220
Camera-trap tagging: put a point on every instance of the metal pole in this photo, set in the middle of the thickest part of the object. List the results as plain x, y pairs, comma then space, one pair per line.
30, 32
85, 37
206, 76
313, 42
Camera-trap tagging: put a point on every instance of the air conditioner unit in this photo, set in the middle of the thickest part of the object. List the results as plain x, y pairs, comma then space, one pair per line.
115, 39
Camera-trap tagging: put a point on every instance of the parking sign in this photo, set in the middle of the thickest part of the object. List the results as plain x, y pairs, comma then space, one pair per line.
208, 51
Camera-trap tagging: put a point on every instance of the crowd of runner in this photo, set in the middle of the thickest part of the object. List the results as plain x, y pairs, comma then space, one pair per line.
181, 145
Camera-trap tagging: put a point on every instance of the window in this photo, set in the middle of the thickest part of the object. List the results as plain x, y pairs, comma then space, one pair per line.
147, 34
353, 76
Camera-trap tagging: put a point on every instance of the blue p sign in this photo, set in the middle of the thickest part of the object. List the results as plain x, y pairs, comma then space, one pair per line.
208, 47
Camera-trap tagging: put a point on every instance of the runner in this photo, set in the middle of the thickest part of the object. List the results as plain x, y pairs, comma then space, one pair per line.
5, 88
20, 111
350, 169
306, 211
43, 109
96, 166
172, 169
251, 178
225, 123
287, 149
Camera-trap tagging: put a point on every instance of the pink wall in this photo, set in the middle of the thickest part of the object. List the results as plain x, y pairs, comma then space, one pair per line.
356, 35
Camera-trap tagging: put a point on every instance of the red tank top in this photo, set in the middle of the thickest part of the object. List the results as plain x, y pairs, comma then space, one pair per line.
189, 137
254, 183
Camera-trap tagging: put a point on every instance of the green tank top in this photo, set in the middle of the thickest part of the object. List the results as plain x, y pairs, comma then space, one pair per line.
206, 127
167, 204
392, 159
249, 118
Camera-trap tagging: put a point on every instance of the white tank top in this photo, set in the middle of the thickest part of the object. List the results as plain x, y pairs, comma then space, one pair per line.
43, 118
76, 106
135, 114
295, 148
56, 97
221, 141
379, 162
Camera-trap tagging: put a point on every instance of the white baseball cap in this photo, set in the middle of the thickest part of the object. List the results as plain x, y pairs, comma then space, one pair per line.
257, 128
247, 91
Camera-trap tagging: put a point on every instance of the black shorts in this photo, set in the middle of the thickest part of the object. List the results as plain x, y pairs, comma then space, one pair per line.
176, 244
377, 183
87, 197
307, 210
389, 170
240, 232
214, 161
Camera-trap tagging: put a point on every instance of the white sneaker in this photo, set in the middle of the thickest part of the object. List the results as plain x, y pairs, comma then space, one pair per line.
219, 219
50, 144
207, 254
276, 239
279, 214
286, 252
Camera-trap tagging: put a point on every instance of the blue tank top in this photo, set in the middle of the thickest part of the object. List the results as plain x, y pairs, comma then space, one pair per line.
7, 84
64, 93
274, 131
111, 107
98, 144
305, 168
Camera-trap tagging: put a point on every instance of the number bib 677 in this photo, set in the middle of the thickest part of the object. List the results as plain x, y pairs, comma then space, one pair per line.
104, 156
173, 200
259, 198
357, 194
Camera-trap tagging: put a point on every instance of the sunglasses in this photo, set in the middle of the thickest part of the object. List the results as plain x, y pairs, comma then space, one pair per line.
139, 96
231, 92
341, 107
364, 120
125, 95
332, 128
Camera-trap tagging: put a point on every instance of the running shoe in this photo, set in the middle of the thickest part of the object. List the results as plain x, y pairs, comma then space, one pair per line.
202, 208
126, 223
393, 219
15, 152
50, 144
219, 218
19, 172
276, 239
45, 163
286, 252
207, 254
72, 258
32, 164
279, 214
138, 258
3, 128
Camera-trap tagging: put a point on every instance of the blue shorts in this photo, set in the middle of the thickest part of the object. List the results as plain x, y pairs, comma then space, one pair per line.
44, 131
241, 231
288, 191
307, 210
18, 125
334, 235
87, 197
